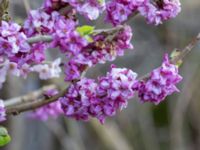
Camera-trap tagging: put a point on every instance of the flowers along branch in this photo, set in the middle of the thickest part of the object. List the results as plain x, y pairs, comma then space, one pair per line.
55, 25
118, 86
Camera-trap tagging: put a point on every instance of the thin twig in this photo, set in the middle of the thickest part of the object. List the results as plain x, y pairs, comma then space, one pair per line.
181, 56
34, 104
186, 50
40, 38
31, 96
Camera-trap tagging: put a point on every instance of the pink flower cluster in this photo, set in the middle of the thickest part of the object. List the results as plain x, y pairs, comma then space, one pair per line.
2, 111
161, 83
86, 98
50, 110
77, 101
99, 51
118, 11
13, 42
46, 71
62, 30
84, 7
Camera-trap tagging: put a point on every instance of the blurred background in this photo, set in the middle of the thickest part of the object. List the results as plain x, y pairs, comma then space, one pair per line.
172, 125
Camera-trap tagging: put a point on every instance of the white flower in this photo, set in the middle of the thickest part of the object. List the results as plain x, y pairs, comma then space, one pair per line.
48, 71
89, 11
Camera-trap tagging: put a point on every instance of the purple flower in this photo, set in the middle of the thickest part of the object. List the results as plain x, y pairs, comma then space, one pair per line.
72, 42
9, 29
156, 14
76, 103
151, 13
40, 22
115, 90
86, 99
12, 40
37, 54
117, 12
123, 40
161, 83
83, 7
99, 51
61, 29
73, 70
86, 10
86, 7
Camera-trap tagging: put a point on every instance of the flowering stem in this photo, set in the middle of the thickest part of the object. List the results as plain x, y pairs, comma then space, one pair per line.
16, 106
48, 38
29, 102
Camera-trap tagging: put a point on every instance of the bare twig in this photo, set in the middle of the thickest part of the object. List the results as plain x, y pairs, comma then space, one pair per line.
34, 104
186, 50
183, 54
40, 38
31, 96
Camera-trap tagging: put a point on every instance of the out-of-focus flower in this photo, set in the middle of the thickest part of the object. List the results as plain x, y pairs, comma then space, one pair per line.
2, 111
48, 71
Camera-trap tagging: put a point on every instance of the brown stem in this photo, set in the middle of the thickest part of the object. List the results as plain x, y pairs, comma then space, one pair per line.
183, 54
29, 97
16, 105
34, 104
186, 50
